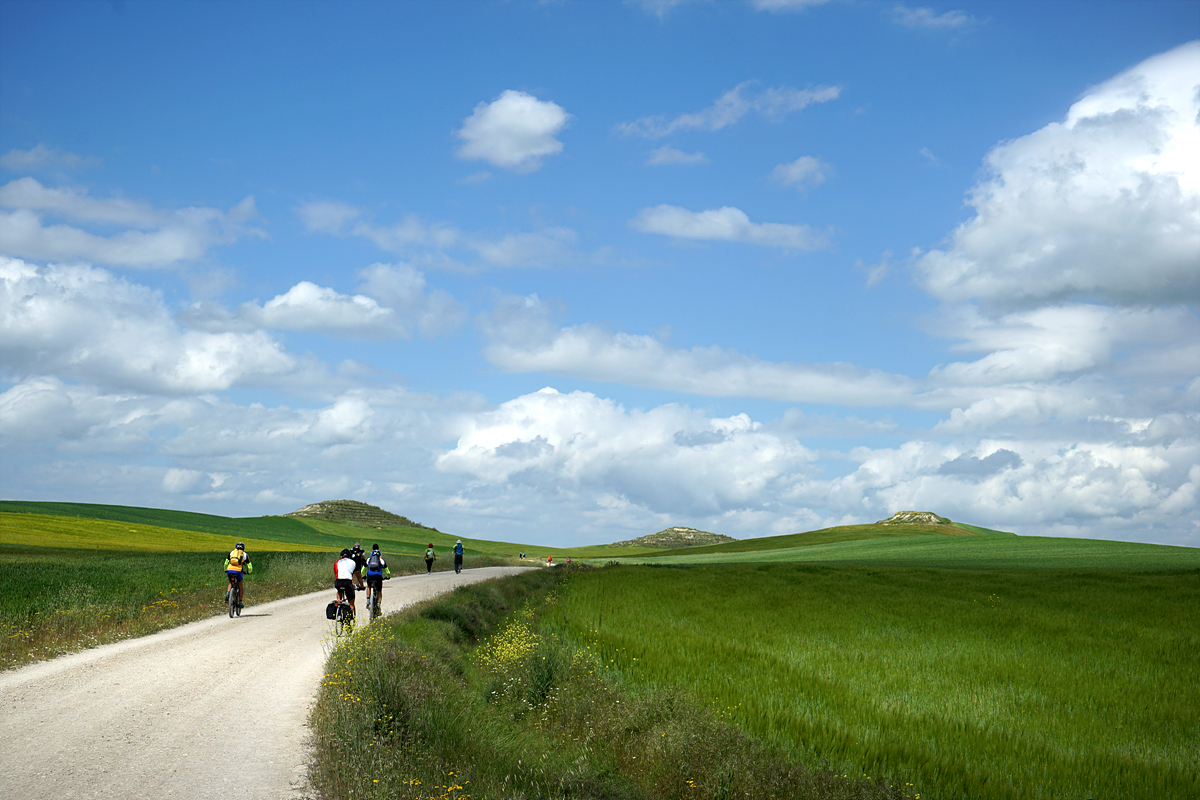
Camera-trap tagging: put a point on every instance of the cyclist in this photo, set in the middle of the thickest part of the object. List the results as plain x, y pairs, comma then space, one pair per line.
360, 558
343, 577
429, 557
458, 553
377, 573
236, 563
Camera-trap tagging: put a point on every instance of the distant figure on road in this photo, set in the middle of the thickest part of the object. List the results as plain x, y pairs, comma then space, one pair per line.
429, 557
458, 553
549, 561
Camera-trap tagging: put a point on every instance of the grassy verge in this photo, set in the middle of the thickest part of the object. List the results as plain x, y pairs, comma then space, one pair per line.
479, 694
1024, 684
56, 601
59, 601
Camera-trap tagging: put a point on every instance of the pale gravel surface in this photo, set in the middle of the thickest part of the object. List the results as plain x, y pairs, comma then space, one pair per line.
152, 717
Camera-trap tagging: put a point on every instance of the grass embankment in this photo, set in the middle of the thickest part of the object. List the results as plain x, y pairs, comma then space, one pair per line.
1022, 684
479, 695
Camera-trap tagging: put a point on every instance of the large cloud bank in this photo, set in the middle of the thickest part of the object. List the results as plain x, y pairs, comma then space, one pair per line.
1068, 403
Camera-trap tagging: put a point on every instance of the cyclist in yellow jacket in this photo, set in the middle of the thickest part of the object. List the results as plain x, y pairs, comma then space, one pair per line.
236, 564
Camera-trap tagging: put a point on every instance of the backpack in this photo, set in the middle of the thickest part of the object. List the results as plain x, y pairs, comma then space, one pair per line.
429, 553
235, 559
375, 563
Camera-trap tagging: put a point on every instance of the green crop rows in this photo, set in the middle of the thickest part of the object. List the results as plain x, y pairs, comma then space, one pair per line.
999, 684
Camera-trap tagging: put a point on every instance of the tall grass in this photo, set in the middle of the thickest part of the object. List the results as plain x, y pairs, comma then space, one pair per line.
475, 695
58, 601
1036, 684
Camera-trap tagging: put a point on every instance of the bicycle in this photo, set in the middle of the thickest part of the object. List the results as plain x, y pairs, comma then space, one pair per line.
343, 617
373, 606
231, 600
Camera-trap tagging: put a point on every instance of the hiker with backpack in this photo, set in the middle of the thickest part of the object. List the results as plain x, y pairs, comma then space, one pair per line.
377, 573
458, 554
429, 557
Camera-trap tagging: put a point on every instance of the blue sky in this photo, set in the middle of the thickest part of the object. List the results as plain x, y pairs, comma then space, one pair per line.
571, 272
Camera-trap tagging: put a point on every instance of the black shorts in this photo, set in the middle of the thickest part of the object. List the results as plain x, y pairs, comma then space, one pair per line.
375, 581
346, 586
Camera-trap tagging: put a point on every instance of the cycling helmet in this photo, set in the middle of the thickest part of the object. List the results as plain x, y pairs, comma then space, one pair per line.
241, 546
345, 552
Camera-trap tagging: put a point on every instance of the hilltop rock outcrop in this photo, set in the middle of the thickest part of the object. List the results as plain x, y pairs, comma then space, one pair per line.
676, 537
914, 518
353, 512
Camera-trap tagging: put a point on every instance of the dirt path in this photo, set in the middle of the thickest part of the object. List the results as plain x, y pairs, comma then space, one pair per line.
151, 717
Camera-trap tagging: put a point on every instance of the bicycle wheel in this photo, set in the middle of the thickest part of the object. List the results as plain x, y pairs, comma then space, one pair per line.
231, 599
375, 605
345, 619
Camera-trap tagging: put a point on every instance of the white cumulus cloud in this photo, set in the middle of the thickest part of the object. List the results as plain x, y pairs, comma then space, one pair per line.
669, 458
521, 338
85, 323
153, 238
726, 224
395, 303
803, 172
1104, 205
515, 131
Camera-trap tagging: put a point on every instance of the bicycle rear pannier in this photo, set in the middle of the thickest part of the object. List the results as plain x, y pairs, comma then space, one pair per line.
331, 610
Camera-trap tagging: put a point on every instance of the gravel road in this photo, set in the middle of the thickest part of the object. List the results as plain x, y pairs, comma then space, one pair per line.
152, 717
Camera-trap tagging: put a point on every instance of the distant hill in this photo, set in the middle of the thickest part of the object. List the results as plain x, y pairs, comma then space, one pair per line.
352, 512
676, 537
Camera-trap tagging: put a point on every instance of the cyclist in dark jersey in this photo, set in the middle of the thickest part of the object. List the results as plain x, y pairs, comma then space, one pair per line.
360, 558
377, 573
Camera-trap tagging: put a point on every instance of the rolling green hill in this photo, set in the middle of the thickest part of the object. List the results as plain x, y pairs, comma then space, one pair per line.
945, 544
91, 526
952, 552
279, 529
